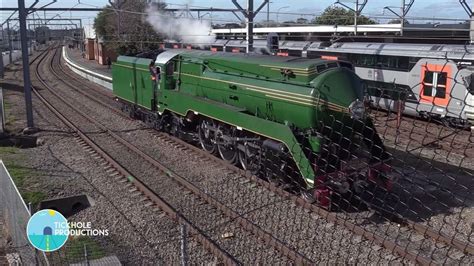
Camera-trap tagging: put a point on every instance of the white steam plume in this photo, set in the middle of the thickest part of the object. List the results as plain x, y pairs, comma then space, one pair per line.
186, 30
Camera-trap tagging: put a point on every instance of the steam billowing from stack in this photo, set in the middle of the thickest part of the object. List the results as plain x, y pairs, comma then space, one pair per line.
186, 30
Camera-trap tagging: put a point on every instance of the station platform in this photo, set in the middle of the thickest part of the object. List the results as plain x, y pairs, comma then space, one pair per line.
76, 56
88, 69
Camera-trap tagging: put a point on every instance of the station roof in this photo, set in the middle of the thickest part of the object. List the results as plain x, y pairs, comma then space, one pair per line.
314, 29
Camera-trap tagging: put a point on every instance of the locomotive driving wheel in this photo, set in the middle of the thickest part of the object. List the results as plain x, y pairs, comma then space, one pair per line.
206, 132
249, 159
225, 143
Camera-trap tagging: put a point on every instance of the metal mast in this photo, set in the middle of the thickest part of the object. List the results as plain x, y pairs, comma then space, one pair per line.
358, 7
249, 15
404, 8
26, 64
470, 13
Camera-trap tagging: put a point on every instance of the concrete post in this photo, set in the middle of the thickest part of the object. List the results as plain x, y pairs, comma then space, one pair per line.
26, 63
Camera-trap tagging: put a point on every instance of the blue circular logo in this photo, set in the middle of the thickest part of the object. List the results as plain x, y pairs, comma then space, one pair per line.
47, 230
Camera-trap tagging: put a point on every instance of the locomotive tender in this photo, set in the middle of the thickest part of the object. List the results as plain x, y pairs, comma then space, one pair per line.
290, 120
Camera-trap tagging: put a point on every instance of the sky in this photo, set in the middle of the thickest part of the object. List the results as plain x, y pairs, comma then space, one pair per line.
430, 9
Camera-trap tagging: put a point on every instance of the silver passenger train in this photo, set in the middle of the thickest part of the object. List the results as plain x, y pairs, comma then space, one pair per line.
427, 80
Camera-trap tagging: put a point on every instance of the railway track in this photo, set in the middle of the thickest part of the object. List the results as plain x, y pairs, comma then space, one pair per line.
329, 216
183, 184
400, 250
122, 175
419, 136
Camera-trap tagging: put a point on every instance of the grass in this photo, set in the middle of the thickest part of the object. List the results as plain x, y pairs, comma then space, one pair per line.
8, 150
75, 249
20, 175
34, 197
9, 117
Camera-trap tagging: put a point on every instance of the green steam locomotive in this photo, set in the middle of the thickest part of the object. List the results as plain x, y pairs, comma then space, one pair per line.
298, 122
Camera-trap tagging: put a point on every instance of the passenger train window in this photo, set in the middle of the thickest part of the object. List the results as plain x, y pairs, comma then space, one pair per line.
470, 85
442, 77
398, 63
428, 77
434, 84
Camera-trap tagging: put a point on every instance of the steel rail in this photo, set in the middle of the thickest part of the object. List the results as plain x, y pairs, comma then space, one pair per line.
245, 223
161, 203
381, 240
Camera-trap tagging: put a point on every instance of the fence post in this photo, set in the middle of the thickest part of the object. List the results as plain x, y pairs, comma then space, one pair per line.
85, 255
2, 67
184, 246
2, 112
400, 107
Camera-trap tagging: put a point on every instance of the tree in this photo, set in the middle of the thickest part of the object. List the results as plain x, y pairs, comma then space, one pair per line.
340, 16
135, 35
302, 21
101, 22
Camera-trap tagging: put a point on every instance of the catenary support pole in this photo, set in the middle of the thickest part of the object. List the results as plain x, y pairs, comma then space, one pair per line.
26, 64
402, 20
10, 48
2, 67
250, 25
356, 15
268, 14
1, 56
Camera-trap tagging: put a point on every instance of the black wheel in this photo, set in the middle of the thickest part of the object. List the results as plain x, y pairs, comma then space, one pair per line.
206, 132
308, 195
175, 126
249, 160
225, 145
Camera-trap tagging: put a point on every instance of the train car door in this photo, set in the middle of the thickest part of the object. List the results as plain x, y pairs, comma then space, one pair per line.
435, 84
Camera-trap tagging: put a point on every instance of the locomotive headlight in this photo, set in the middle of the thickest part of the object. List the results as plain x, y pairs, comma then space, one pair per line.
357, 109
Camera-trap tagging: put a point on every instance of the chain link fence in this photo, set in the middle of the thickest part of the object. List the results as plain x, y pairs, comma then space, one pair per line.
404, 173
389, 187
15, 217
393, 185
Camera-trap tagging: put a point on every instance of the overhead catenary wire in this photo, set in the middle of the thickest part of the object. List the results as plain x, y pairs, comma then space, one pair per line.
288, 13
281, 13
